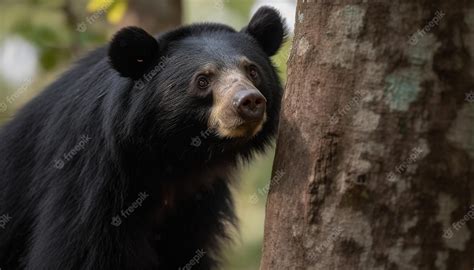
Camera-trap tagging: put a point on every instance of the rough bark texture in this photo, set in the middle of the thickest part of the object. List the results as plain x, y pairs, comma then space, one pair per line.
153, 16
376, 142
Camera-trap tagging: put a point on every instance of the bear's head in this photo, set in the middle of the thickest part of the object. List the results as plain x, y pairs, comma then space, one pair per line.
205, 86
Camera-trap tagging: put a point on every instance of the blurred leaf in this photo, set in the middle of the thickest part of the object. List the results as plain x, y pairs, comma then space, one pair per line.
117, 11
281, 59
49, 58
92, 38
96, 5
51, 44
40, 35
241, 6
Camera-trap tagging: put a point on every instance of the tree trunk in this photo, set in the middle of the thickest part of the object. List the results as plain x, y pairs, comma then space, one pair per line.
376, 144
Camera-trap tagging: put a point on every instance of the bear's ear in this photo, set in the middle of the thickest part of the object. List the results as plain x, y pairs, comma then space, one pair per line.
133, 51
268, 28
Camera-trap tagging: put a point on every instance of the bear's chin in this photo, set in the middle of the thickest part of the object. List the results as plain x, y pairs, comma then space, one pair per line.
246, 130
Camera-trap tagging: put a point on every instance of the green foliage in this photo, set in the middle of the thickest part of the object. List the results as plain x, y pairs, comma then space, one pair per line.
280, 60
52, 46
242, 7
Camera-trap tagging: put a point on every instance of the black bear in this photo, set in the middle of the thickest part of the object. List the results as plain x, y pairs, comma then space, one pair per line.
125, 162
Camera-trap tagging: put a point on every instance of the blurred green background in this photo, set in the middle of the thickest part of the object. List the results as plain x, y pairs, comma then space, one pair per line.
39, 39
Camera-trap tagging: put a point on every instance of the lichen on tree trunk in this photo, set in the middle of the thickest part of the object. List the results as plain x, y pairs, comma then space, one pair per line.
376, 139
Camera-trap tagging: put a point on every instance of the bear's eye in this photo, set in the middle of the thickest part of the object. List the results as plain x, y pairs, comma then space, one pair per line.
202, 82
253, 73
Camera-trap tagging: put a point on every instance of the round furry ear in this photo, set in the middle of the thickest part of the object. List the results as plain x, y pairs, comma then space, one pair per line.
132, 52
268, 28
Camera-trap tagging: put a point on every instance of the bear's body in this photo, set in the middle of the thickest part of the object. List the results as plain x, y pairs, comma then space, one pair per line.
100, 171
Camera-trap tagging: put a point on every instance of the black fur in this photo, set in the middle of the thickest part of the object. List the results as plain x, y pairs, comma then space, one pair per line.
133, 51
138, 140
268, 28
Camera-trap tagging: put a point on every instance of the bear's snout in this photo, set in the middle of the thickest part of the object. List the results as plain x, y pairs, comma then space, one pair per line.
250, 104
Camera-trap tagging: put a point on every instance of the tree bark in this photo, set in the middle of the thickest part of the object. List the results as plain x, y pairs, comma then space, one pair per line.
376, 144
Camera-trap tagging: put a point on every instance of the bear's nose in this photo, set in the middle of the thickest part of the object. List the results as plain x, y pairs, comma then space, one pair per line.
250, 104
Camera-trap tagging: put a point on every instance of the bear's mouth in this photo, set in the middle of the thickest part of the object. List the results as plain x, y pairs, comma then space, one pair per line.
240, 128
